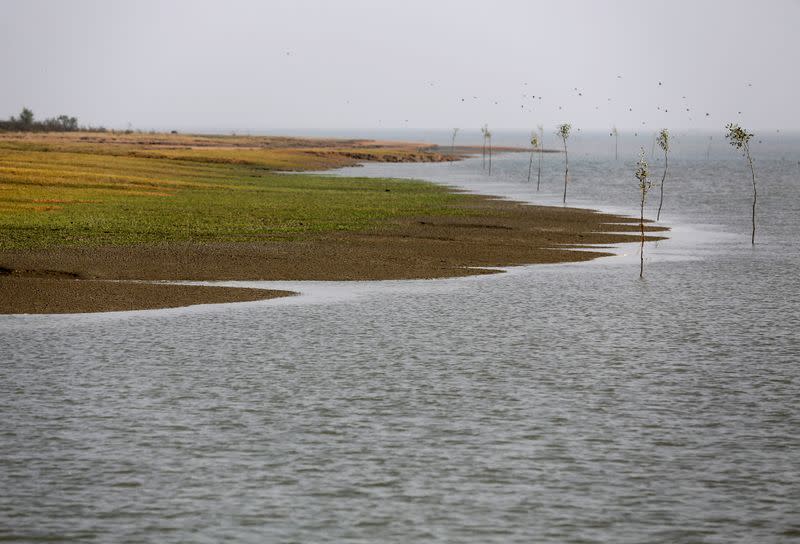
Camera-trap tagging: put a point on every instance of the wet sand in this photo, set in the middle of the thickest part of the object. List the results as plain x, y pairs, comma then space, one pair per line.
487, 233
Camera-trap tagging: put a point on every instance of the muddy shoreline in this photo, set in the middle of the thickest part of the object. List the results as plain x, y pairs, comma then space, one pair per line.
492, 233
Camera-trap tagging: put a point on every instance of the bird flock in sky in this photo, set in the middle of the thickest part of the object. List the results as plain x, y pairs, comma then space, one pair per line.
532, 101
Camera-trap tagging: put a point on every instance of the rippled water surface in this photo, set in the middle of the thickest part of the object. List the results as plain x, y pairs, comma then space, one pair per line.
554, 403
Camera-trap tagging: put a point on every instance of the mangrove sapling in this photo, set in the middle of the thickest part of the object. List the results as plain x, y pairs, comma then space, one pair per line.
615, 134
663, 143
530, 161
453, 142
645, 185
541, 143
563, 132
740, 139
484, 131
534, 145
489, 137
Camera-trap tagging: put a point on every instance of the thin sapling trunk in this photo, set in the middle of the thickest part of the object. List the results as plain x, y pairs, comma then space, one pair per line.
489, 137
566, 170
541, 143
615, 134
530, 163
485, 132
642, 174
740, 139
663, 143
641, 228
534, 145
755, 192
563, 132
663, 178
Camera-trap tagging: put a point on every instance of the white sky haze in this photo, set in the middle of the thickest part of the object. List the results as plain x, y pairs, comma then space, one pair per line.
266, 65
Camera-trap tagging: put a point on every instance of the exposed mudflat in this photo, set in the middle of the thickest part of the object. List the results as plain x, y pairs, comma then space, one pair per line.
487, 233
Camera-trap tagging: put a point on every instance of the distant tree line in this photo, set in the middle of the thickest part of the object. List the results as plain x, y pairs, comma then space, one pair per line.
25, 122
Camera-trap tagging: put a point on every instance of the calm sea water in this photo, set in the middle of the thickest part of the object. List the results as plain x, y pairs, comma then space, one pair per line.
554, 403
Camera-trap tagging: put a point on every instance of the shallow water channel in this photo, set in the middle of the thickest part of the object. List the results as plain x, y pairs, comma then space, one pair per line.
551, 403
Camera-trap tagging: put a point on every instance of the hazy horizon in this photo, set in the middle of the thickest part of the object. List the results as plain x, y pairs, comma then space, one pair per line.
355, 65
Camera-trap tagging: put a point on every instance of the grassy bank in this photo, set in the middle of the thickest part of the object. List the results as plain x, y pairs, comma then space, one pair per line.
78, 210
91, 190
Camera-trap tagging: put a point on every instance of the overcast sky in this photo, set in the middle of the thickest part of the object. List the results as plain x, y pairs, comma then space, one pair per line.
301, 64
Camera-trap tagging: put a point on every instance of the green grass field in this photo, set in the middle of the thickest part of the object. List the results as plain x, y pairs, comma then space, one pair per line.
70, 194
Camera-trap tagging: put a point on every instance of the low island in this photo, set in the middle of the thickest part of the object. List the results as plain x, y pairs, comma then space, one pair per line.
90, 221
